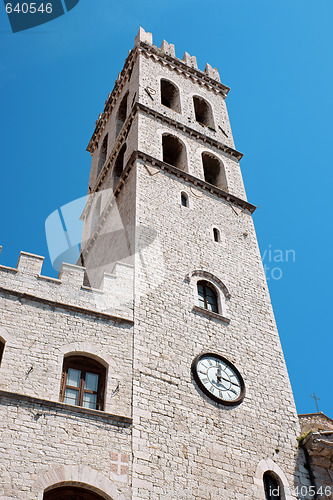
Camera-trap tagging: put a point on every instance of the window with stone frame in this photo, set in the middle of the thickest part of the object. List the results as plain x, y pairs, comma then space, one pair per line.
170, 95
207, 296
83, 382
272, 487
71, 493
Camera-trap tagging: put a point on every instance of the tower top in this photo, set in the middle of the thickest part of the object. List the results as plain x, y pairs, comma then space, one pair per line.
165, 54
169, 49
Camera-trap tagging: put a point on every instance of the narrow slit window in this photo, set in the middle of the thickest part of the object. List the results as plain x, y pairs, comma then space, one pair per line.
184, 200
216, 235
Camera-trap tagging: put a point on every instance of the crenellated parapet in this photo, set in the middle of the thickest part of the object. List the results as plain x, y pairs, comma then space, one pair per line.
68, 291
168, 49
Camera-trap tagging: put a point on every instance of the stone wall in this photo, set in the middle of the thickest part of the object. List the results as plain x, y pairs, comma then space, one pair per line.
43, 320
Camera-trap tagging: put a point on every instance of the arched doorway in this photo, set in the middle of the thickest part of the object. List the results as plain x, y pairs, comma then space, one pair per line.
71, 493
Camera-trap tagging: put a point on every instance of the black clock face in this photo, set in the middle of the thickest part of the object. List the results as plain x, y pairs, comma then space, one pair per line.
218, 379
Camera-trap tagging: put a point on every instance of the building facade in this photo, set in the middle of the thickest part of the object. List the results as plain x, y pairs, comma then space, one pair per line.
153, 368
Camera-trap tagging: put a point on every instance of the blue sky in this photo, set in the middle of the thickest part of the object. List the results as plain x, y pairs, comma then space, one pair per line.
276, 55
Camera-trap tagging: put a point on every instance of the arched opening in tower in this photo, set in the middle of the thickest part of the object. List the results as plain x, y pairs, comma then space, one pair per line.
203, 111
119, 166
170, 95
121, 114
214, 171
174, 151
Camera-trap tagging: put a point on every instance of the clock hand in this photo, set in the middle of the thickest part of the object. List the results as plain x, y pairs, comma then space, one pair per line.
219, 374
232, 390
227, 380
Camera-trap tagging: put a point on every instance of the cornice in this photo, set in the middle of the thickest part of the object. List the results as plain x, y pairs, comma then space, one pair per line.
64, 407
191, 131
199, 183
176, 63
165, 119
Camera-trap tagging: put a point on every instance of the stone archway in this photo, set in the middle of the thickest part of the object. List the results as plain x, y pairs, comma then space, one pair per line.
71, 493
85, 478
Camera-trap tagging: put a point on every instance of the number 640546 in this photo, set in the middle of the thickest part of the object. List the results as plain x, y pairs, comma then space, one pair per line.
29, 8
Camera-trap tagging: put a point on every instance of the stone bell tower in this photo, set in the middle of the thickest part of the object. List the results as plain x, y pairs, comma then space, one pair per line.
155, 371
212, 406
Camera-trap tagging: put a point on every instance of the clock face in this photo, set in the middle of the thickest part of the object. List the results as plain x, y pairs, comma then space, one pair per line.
218, 379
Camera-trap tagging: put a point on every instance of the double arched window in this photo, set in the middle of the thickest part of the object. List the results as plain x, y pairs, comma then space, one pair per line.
207, 296
83, 382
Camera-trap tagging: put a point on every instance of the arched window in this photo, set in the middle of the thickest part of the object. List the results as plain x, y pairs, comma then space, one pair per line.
272, 487
121, 114
203, 111
216, 235
102, 154
170, 95
174, 151
214, 171
119, 165
83, 382
2, 347
184, 199
207, 296
71, 493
